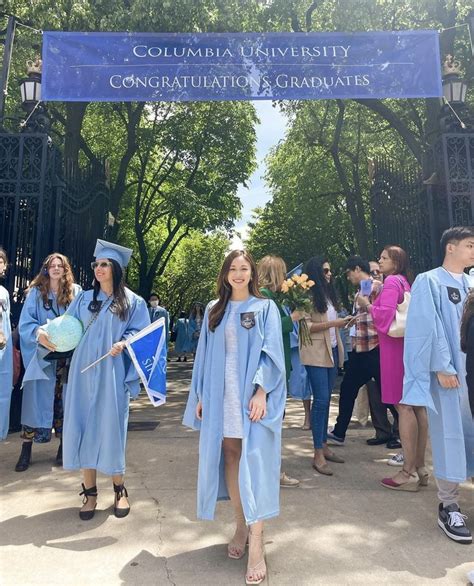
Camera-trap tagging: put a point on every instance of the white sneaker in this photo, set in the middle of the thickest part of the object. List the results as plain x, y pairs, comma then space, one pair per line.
287, 481
397, 460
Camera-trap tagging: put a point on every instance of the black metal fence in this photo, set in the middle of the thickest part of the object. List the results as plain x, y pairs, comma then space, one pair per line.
46, 207
412, 211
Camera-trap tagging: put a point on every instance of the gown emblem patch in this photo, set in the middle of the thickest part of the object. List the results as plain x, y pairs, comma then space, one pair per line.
247, 320
454, 295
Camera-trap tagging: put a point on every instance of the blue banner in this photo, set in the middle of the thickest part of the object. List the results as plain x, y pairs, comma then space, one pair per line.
147, 350
240, 66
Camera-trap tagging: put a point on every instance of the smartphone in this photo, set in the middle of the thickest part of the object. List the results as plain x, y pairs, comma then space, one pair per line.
350, 322
366, 287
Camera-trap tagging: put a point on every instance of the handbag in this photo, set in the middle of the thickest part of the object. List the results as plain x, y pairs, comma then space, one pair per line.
398, 326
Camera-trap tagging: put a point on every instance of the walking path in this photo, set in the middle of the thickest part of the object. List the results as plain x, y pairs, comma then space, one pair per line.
339, 530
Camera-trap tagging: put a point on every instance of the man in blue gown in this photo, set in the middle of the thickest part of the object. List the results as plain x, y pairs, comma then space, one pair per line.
435, 373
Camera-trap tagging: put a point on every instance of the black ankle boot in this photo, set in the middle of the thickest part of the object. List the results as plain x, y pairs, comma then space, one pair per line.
24, 460
59, 455
86, 493
120, 491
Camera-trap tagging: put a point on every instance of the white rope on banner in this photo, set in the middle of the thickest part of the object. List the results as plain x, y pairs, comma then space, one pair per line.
463, 126
442, 30
36, 30
25, 122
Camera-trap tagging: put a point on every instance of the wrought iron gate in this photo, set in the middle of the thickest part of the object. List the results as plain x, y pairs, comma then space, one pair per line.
413, 213
44, 208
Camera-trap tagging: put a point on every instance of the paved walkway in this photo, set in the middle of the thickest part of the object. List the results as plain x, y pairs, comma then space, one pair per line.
338, 530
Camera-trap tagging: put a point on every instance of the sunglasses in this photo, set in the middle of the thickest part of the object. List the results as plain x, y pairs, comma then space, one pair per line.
326, 271
103, 265
375, 273
55, 267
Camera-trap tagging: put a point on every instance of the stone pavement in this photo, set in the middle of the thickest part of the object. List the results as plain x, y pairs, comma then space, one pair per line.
344, 529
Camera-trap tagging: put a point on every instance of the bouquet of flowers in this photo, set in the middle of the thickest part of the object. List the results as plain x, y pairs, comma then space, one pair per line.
295, 295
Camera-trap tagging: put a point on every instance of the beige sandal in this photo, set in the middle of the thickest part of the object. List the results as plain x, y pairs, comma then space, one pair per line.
236, 550
258, 573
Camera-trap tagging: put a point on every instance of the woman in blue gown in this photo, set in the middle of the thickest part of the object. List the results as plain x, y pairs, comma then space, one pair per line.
195, 324
6, 352
237, 398
97, 400
182, 337
49, 295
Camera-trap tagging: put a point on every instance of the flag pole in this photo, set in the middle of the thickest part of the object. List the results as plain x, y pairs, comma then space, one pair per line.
94, 363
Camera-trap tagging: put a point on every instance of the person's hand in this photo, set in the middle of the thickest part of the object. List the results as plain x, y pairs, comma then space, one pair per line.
199, 410
362, 301
258, 405
44, 340
297, 315
376, 286
448, 381
117, 348
341, 322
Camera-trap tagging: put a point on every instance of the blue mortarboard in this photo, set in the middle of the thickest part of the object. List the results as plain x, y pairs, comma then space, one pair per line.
104, 249
296, 271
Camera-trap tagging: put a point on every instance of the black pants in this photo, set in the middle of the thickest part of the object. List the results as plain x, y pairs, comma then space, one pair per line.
361, 368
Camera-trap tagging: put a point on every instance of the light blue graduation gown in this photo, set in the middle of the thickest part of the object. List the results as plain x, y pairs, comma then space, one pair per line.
432, 344
97, 401
39, 380
193, 332
6, 364
183, 340
261, 362
298, 385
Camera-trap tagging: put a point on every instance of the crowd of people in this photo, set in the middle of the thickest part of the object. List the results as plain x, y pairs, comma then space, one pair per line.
410, 343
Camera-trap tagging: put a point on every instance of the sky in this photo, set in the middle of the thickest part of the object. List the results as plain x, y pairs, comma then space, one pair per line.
269, 132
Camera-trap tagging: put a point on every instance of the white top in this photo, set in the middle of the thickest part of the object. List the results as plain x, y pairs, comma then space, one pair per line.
233, 423
457, 276
332, 315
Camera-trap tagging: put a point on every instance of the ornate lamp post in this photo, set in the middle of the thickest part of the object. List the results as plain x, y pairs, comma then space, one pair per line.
30, 89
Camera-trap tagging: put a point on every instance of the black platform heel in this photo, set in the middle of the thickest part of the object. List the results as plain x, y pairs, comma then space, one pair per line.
120, 491
24, 460
59, 455
86, 493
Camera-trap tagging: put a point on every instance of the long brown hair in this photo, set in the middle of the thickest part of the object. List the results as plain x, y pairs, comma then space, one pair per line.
400, 261
271, 272
41, 281
467, 314
224, 289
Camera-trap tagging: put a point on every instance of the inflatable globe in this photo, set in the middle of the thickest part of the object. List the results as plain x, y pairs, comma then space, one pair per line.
65, 332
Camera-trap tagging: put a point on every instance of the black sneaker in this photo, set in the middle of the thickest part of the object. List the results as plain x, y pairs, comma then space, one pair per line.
453, 523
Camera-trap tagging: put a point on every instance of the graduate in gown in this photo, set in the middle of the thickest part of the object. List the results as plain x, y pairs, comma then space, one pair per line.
435, 373
182, 337
49, 295
237, 399
6, 352
97, 401
271, 274
196, 316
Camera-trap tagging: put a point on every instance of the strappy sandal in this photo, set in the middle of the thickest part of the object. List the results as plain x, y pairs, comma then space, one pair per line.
120, 492
258, 573
236, 550
86, 493
412, 484
423, 475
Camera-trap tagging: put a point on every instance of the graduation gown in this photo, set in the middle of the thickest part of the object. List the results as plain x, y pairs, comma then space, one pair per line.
298, 386
6, 364
97, 401
261, 362
432, 344
183, 339
39, 380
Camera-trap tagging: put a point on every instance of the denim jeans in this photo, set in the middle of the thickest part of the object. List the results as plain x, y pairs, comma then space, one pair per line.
322, 382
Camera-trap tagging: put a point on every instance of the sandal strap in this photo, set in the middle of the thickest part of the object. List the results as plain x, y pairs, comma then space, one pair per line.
87, 492
409, 474
120, 491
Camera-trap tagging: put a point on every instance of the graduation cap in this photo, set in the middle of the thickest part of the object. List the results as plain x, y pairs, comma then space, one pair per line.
296, 271
121, 254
